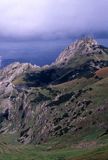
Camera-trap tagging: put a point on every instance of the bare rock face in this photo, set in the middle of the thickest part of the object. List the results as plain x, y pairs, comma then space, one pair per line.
14, 70
84, 46
10, 98
9, 73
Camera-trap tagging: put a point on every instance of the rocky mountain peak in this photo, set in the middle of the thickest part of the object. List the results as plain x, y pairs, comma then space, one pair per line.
82, 46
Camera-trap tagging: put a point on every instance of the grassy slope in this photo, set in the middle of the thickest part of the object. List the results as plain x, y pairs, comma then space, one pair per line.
97, 154
62, 148
99, 97
49, 151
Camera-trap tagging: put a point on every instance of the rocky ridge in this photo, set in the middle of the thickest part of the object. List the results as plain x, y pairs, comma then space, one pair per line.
84, 46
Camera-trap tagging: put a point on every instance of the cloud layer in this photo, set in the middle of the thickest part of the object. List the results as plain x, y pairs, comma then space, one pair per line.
51, 19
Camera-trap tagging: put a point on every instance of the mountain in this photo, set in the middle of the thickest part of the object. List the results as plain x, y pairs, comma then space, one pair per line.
85, 46
66, 101
7, 61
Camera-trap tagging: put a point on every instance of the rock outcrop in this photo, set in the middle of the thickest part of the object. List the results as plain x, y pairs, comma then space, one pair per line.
85, 46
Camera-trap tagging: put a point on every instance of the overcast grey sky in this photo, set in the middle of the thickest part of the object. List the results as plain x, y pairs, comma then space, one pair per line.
51, 19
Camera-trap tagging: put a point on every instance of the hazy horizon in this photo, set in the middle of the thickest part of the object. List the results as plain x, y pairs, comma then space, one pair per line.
40, 53
42, 29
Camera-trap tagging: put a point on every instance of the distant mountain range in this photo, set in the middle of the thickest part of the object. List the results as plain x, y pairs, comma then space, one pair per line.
5, 62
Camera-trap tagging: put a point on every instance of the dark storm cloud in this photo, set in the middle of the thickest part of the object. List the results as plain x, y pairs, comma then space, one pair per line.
52, 19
